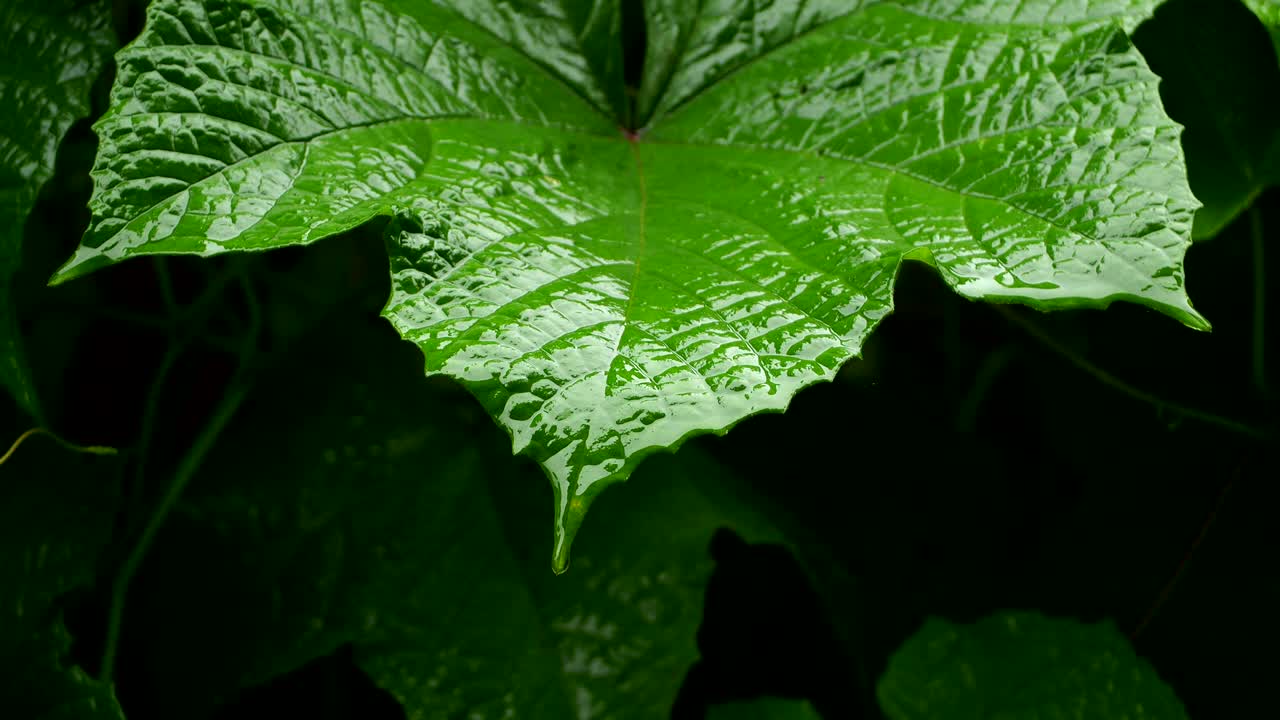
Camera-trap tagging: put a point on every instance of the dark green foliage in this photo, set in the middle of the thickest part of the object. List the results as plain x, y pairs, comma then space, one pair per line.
611, 229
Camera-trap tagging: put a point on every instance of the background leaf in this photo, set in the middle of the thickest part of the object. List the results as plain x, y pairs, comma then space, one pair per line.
57, 512
764, 709
52, 51
607, 299
412, 536
1022, 665
1220, 76
1268, 11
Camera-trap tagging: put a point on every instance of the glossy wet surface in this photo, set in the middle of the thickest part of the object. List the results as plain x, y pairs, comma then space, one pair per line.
607, 294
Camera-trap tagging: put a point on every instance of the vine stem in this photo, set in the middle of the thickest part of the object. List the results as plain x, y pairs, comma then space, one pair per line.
88, 449
1167, 590
152, 404
1259, 300
191, 461
222, 414
165, 282
1116, 383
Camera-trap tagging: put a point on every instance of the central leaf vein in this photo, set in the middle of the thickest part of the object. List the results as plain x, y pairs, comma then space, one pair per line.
638, 250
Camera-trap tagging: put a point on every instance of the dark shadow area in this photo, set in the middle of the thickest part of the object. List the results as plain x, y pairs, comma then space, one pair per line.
330, 687
764, 632
959, 468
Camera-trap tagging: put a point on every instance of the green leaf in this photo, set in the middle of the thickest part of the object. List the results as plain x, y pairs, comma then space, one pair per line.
691, 46
579, 41
1219, 77
1022, 665
764, 709
410, 535
57, 510
607, 294
1268, 11
50, 53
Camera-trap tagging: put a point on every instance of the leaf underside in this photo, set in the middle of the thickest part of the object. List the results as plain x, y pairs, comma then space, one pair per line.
607, 294
1025, 665
52, 50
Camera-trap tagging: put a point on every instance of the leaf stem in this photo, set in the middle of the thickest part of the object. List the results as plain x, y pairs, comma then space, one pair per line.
186, 470
1167, 590
179, 339
254, 307
166, 287
191, 462
88, 449
1116, 383
1259, 300
149, 410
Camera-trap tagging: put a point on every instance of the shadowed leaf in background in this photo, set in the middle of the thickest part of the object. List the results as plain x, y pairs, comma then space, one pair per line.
51, 51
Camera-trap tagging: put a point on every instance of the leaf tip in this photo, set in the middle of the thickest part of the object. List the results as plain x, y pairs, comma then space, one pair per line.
560, 560
85, 261
569, 517
1190, 317
1198, 322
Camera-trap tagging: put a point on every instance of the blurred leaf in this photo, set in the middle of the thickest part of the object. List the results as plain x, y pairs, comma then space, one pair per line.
1268, 11
51, 51
1025, 666
1220, 80
57, 511
764, 709
337, 512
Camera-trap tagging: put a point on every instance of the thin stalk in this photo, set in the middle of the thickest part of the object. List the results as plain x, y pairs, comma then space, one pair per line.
179, 338
191, 462
254, 307
186, 470
966, 417
195, 314
1116, 383
1259, 300
1167, 590
166, 286
88, 449
149, 411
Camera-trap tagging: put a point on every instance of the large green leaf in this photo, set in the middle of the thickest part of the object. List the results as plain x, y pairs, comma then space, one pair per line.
1220, 77
605, 293
50, 53
409, 534
1024, 666
56, 514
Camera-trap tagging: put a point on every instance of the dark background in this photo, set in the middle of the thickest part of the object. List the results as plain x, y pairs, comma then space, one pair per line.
963, 466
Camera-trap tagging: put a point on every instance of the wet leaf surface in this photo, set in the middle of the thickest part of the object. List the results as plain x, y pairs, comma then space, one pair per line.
608, 293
